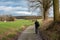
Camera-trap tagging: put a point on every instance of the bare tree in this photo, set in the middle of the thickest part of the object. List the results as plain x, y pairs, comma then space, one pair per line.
44, 4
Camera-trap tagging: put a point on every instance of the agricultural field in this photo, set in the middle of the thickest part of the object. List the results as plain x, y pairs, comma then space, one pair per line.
8, 30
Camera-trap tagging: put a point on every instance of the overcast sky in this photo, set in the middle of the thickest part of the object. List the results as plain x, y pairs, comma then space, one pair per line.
16, 8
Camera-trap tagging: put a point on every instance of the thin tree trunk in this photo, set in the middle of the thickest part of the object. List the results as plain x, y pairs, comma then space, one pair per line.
45, 15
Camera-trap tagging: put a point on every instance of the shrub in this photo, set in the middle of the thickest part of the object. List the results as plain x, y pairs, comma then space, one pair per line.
4, 38
7, 18
11, 35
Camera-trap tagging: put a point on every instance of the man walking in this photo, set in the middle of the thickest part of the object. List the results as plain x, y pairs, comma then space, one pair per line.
36, 26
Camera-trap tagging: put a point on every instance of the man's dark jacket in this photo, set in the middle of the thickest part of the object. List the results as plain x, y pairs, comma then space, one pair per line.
36, 24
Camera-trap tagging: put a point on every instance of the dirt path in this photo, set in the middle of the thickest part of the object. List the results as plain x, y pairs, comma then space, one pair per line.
29, 34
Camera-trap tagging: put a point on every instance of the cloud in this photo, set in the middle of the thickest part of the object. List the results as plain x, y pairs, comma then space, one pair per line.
8, 3
14, 7
13, 3
5, 8
12, 10
23, 12
10, 0
15, 10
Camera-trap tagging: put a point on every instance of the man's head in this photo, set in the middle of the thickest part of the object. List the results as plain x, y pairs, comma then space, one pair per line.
36, 20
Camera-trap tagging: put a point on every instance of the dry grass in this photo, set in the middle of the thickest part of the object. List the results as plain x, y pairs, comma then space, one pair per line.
52, 32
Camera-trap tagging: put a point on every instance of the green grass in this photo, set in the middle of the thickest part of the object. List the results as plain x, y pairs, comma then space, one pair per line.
14, 25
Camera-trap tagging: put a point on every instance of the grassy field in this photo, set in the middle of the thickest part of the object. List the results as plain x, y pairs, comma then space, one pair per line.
14, 26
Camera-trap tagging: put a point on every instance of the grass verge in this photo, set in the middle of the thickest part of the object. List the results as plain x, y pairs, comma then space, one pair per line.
10, 30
